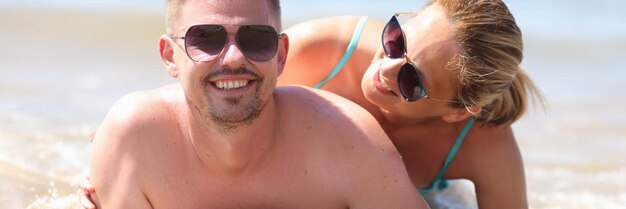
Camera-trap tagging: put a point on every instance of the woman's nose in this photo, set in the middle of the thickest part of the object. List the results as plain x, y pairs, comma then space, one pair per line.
390, 66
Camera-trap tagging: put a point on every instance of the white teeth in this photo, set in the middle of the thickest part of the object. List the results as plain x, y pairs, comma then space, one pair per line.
229, 85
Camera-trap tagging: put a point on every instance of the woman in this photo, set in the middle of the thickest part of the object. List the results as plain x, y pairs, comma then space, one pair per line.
445, 85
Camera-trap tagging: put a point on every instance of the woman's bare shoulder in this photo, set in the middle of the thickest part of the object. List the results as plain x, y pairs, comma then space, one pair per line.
492, 147
333, 32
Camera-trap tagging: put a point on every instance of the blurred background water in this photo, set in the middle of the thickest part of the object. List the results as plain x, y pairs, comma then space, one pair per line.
64, 62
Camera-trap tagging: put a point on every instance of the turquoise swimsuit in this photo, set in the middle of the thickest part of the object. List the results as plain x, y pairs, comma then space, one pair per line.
439, 182
351, 46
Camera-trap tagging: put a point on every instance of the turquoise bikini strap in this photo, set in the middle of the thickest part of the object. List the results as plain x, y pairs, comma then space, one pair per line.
351, 46
439, 182
455, 148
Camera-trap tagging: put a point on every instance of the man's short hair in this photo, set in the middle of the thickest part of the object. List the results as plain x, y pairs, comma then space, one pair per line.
173, 7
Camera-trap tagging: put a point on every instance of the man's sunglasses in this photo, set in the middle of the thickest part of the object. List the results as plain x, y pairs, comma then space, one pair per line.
204, 43
409, 77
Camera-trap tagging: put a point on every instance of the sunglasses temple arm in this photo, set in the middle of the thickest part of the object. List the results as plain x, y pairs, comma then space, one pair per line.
442, 100
403, 13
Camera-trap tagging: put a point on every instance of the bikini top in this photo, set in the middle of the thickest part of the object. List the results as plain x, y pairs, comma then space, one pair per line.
439, 182
351, 46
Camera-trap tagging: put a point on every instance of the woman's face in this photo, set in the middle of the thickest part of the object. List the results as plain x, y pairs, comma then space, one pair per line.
430, 46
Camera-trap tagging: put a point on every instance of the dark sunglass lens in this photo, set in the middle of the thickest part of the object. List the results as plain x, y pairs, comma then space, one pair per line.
409, 83
393, 40
205, 42
258, 42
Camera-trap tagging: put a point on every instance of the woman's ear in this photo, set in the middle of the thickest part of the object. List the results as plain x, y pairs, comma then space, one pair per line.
167, 56
283, 50
461, 114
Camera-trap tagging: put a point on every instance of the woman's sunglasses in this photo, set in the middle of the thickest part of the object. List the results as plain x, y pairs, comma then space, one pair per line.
204, 43
409, 77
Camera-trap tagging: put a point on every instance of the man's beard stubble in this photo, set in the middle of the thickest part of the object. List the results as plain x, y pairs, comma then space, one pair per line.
229, 121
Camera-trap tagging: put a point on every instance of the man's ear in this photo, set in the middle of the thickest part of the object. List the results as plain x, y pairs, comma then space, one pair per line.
281, 54
167, 56
461, 114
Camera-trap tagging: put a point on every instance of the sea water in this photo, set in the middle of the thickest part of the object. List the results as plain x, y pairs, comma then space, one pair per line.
64, 63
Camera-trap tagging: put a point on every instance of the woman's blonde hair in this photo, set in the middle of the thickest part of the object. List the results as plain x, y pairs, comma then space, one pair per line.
488, 62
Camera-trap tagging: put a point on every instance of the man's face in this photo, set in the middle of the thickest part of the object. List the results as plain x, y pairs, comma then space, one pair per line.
231, 89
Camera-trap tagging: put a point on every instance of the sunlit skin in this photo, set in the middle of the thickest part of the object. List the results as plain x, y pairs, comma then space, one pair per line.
423, 131
225, 139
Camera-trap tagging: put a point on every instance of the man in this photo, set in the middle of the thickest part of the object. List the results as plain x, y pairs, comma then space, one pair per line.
226, 137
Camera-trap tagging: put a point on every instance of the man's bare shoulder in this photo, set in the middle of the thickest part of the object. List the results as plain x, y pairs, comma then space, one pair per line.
348, 141
124, 145
321, 105
140, 112
335, 117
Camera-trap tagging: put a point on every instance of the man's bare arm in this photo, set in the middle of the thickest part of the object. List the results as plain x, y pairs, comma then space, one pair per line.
115, 166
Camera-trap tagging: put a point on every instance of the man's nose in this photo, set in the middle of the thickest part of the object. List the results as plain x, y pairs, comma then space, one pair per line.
233, 56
